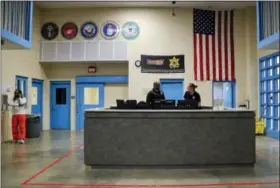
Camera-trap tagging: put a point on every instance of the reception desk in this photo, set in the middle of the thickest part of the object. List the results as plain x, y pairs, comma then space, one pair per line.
169, 138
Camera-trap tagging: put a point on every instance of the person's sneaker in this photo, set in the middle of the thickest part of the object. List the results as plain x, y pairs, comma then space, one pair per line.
21, 142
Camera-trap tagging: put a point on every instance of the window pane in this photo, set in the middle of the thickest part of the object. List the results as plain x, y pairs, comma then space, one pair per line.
270, 62
277, 70
34, 94
277, 60
270, 72
60, 95
91, 95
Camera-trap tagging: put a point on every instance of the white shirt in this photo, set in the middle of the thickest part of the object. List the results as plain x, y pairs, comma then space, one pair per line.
18, 105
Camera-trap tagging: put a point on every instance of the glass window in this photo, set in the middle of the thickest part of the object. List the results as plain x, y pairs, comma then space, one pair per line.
277, 60
270, 62
34, 95
60, 96
270, 72
91, 95
270, 85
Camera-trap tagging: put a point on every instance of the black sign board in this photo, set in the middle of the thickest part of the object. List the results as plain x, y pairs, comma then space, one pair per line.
162, 64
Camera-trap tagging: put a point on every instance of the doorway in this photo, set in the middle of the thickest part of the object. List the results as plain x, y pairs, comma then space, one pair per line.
88, 95
224, 94
60, 105
173, 88
37, 99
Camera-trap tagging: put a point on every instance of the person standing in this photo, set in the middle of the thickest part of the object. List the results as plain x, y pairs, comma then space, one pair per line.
18, 119
155, 94
191, 94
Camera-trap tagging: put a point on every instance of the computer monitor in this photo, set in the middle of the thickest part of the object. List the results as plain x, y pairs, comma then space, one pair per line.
131, 104
168, 104
187, 104
120, 104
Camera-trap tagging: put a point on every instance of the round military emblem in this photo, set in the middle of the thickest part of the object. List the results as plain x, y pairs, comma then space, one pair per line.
110, 30
69, 30
130, 30
89, 30
49, 31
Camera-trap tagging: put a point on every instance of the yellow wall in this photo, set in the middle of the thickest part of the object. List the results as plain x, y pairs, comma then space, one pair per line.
161, 34
26, 63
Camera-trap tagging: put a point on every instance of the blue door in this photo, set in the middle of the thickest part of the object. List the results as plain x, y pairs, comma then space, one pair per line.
88, 96
37, 99
173, 88
60, 105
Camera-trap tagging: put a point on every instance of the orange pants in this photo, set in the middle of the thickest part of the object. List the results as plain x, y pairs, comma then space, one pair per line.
19, 127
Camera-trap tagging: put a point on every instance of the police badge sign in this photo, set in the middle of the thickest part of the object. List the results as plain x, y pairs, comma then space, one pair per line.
110, 30
89, 30
49, 31
130, 30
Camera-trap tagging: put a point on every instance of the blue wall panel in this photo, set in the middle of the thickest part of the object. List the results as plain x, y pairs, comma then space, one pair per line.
270, 93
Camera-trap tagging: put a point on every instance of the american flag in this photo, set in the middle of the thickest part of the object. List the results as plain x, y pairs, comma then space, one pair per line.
213, 45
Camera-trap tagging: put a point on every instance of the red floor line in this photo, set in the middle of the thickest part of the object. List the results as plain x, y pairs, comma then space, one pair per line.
268, 156
26, 182
52, 164
171, 186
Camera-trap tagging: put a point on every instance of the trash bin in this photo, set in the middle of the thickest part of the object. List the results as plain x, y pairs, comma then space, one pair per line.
33, 127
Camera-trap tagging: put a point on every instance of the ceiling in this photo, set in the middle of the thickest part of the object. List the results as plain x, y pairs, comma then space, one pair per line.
181, 4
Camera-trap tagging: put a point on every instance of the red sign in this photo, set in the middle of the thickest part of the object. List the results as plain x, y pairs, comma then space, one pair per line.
91, 69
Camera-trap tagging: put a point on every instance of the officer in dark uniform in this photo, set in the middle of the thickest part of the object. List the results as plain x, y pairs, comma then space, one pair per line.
191, 94
155, 94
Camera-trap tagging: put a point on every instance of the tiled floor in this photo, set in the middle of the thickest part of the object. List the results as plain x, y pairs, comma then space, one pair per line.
56, 160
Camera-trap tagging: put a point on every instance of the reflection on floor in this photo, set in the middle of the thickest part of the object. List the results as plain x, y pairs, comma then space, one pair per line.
56, 160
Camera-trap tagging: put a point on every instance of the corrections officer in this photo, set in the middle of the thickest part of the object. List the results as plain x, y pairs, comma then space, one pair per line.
155, 94
191, 94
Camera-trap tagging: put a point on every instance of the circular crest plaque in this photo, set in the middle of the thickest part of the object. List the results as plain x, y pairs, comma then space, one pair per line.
110, 30
89, 30
130, 30
69, 30
49, 31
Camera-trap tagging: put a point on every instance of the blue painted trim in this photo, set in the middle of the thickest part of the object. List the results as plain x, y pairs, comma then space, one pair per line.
37, 80
259, 21
269, 40
41, 82
69, 100
170, 80
28, 21
6, 35
102, 79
